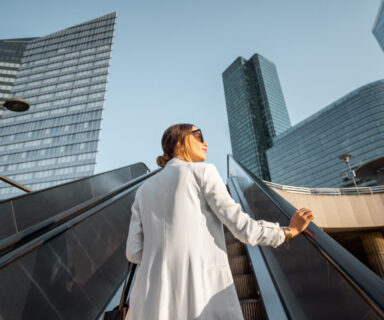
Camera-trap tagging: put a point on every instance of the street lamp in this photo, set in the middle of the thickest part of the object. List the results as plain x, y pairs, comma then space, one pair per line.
351, 173
16, 105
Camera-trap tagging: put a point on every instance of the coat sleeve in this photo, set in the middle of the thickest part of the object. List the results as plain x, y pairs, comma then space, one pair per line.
241, 225
135, 238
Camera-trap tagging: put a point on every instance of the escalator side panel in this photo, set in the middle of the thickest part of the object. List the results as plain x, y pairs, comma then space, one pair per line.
74, 274
7, 223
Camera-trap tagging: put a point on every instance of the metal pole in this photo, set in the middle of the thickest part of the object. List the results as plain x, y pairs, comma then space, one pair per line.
350, 170
15, 184
346, 158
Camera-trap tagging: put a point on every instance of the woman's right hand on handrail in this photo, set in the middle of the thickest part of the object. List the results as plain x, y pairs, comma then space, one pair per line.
300, 221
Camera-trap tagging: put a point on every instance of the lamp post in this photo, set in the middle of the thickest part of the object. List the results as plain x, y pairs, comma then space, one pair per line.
16, 105
351, 173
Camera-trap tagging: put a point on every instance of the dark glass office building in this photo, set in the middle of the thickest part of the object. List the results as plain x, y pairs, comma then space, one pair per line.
63, 76
256, 110
307, 154
11, 52
378, 27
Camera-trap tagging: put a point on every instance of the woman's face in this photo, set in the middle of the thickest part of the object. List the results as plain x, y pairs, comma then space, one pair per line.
198, 149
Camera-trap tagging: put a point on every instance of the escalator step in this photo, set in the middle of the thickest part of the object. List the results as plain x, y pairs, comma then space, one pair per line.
245, 286
252, 309
239, 264
236, 249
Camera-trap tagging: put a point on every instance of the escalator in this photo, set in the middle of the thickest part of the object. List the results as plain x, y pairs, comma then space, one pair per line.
309, 277
69, 261
62, 250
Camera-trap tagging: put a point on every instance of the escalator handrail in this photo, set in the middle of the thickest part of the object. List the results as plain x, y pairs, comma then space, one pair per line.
37, 231
366, 282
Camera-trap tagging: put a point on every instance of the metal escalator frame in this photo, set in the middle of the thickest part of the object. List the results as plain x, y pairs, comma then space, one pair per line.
37, 235
365, 282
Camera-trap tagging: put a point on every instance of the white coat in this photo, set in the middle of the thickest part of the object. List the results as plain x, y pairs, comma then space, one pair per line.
176, 235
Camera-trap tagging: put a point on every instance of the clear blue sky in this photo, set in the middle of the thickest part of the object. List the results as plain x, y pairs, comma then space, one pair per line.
168, 57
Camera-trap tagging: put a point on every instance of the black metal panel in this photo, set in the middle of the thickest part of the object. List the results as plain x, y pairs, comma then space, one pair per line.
312, 280
7, 224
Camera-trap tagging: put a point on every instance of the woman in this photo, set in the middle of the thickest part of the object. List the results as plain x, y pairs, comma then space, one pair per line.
176, 235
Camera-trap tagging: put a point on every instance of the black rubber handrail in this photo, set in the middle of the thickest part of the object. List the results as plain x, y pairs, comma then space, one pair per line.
14, 247
367, 283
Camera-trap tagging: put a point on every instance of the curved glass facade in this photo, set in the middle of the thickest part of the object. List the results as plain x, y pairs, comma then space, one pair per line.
307, 153
63, 76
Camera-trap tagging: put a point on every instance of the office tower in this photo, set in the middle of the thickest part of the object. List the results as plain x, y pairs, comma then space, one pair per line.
378, 27
63, 76
256, 110
307, 154
11, 52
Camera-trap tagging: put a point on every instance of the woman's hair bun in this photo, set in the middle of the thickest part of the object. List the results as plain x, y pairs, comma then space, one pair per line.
162, 160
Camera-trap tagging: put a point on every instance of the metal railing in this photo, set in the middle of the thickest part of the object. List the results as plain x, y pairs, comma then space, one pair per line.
327, 191
14, 184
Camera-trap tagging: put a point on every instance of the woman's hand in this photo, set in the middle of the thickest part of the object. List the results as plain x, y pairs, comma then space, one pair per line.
300, 221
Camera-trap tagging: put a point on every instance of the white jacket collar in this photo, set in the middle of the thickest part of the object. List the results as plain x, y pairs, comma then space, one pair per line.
175, 160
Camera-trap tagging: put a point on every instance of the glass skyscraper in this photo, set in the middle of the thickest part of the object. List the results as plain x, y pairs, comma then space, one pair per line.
11, 52
256, 110
378, 27
307, 154
63, 76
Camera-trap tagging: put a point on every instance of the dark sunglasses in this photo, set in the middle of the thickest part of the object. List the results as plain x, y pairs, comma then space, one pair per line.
198, 135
